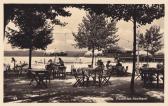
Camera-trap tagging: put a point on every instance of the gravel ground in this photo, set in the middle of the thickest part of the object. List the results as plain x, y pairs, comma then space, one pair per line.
61, 90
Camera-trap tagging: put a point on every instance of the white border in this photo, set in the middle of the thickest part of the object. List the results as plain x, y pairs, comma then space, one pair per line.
84, 2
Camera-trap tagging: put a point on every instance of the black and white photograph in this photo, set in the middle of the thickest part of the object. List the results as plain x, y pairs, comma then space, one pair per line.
83, 53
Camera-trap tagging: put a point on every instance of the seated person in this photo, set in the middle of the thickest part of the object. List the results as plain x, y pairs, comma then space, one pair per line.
49, 65
159, 66
100, 66
145, 66
61, 62
108, 64
119, 68
118, 63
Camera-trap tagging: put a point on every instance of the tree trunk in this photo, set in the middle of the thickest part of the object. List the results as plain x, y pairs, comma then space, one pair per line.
30, 56
147, 57
134, 58
14, 65
92, 57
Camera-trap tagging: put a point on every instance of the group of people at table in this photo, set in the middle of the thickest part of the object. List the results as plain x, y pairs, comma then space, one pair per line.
52, 70
58, 70
55, 70
101, 72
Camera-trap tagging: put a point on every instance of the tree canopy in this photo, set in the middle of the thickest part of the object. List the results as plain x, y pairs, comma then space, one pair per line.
151, 41
137, 13
35, 24
51, 11
96, 32
143, 13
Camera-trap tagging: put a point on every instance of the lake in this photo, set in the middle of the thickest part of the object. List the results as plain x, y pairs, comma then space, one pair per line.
40, 62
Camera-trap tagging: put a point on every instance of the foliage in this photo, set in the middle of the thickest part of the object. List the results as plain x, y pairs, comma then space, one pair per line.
49, 10
137, 13
96, 32
35, 24
143, 13
35, 28
152, 40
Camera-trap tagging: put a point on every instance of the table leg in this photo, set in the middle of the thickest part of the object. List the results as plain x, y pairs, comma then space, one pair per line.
157, 79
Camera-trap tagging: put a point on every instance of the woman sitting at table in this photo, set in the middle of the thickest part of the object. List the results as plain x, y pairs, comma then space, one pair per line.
61, 62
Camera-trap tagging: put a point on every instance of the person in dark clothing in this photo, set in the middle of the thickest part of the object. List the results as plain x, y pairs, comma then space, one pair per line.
100, 64
14, 63
108, 64
118, 63
50, 65
61, 62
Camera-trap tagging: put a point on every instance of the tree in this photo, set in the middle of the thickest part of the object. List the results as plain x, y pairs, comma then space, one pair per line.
96, 33
49, 10
35, 26
136, 13
151, 41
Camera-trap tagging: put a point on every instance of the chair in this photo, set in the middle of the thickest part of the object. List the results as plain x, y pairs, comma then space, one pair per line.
79, 76
61, 72
51, 69
32, 77
47, 76
138, 73
160, 68
106, 77
97, 74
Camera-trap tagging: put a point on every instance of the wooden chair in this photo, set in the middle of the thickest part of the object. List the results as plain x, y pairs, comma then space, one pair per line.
32, 77
79, 76
97, 74
61, 72
106, 77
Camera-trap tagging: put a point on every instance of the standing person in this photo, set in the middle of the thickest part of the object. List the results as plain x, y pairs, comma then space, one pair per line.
61, 62
14, 62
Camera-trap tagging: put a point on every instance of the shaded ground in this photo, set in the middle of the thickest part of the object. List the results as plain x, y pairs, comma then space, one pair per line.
19, 90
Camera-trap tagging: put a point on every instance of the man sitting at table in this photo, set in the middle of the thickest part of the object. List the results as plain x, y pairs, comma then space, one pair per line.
108, 64
119, 69
50, 65
118, 63
100, 64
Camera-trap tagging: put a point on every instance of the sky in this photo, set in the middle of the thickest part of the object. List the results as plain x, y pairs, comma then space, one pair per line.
63, 38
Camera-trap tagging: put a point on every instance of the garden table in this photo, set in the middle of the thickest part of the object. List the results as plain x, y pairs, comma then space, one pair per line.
148, 72
40, 76
88, 73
